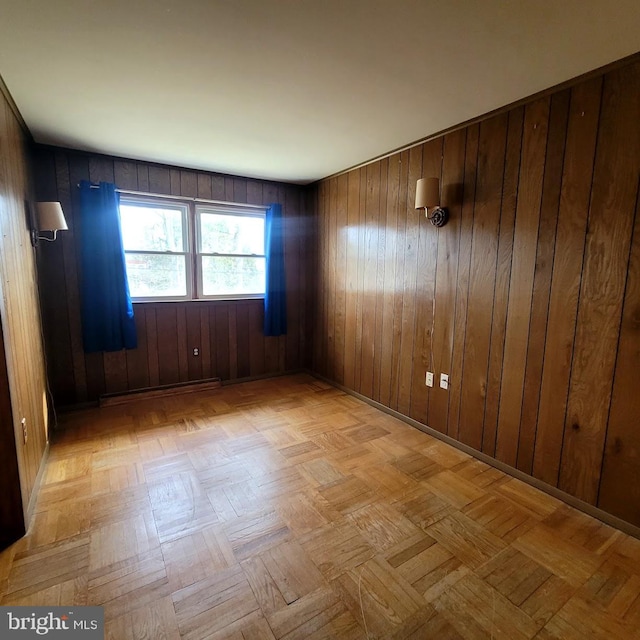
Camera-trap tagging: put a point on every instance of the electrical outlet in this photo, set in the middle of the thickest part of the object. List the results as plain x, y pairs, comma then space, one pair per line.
429, 379
23, 422
444, 381
196, 351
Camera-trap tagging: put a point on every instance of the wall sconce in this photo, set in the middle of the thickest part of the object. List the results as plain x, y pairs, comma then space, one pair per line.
427, 197
49, 217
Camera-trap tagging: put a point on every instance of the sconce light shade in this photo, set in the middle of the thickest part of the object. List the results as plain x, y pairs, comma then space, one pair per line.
428, 197
427, 193
49, 217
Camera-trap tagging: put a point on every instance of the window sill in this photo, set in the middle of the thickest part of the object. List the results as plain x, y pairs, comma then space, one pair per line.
198, 300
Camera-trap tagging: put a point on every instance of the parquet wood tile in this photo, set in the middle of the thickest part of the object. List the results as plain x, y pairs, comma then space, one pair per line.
34, 570
471, 543
157, 621
302, 512
337, 547
475, 609
210, 605
382, 525
285, 508
310, 613
380, 596
129, 584
193, 557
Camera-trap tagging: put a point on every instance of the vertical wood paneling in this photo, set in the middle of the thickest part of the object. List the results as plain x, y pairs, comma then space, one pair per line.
372, 205
167, 333
447, 275
362, 175
12, 523
341, 267
204, 186
159, 180
188, 183
256, 339
613, 199
577, 175
205, 342
389, 292
293, 276
138, 359
182, 345
503, 277
151, 323
542, 278
398, 300
408, 326
233, 342
427, 253
70, 197
242, 328
194, 341
174, 181
619, 487
484, 252
523, 264
330, 297
462, 285
143, 176
125, 173
535, 283
353, 196
22, 365
380, 271
52, 282
217, 189
115, 372
168, 359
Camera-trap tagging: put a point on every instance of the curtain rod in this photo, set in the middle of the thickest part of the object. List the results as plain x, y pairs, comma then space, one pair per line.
189, 198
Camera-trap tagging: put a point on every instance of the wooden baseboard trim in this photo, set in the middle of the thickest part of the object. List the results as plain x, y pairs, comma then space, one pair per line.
607, 518
263, 376
36, 487
112, 399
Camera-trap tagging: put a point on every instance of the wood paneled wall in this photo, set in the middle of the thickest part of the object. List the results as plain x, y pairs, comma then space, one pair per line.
529, 298
22, 375
227, 334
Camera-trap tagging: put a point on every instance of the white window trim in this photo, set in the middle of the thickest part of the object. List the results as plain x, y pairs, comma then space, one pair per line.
191, 229
224, 210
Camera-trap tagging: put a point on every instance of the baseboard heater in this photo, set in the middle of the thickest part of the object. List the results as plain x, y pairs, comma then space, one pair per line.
111, 399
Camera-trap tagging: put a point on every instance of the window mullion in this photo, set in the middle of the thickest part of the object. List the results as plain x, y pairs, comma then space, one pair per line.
193, 247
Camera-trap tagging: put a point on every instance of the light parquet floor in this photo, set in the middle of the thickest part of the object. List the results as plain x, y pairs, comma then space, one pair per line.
285, 508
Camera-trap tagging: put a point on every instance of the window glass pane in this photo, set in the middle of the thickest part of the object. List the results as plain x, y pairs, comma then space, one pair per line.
155, 275
220, 233
146, 228
225, 275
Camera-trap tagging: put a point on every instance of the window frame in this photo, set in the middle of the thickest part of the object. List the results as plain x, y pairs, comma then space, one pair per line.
191, 229
224, 209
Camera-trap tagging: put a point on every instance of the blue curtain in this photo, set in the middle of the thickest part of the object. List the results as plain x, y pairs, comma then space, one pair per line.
107, 312
275, 302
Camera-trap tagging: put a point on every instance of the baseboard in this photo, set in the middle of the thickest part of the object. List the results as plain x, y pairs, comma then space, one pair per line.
589, 509
111, 399
263, 376
36, 487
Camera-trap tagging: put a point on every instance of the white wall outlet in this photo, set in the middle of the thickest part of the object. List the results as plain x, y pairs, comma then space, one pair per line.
23, 422
196, 351
429, 379
444, 381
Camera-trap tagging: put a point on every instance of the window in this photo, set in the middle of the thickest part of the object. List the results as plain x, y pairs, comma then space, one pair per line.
231, 258
182, 251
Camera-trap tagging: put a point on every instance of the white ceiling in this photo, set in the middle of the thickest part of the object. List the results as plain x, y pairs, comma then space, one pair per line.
290, 90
